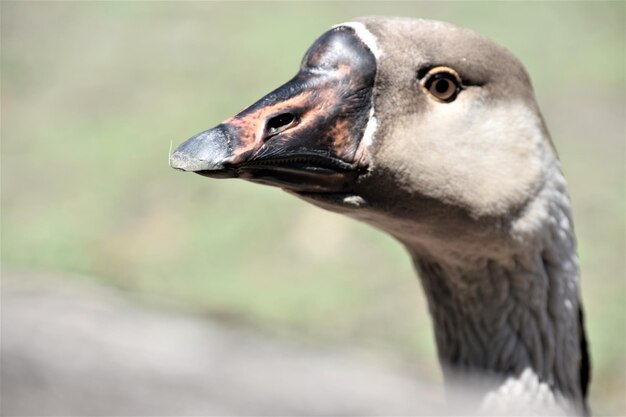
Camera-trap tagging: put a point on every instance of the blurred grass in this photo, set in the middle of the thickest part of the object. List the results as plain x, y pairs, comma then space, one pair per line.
94, 93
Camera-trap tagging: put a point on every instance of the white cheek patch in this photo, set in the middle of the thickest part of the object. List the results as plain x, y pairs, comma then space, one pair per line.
371, 42
485, 155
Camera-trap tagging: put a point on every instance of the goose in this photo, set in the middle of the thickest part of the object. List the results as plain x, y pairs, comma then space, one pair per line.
431, 133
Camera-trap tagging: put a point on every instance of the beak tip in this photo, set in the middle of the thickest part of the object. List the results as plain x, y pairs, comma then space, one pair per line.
179, 161
206, 151
184, 162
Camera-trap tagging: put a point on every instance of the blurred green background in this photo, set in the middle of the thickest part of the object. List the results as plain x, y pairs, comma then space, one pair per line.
93, 94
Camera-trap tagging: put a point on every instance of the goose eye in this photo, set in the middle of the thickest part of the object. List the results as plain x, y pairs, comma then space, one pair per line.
444, 84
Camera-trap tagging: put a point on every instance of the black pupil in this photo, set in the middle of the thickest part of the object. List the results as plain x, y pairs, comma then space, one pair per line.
277, 122
442, 86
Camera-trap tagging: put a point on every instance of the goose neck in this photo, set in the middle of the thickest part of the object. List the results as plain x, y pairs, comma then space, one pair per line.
506, 317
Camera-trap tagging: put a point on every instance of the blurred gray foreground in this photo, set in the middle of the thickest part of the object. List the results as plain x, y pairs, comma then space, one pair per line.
89, 351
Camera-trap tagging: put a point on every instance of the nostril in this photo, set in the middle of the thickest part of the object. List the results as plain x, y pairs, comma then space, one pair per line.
278, 123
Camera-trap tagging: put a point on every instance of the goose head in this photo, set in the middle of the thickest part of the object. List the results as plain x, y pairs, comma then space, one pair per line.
402, 123
431, 133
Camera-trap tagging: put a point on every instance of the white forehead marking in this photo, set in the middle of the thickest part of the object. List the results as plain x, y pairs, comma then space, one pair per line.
370, 41
370, 128
365, 35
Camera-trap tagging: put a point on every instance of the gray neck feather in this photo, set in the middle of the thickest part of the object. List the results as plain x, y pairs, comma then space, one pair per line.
500, 317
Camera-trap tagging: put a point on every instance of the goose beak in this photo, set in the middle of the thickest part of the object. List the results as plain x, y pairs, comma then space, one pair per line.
303, 136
